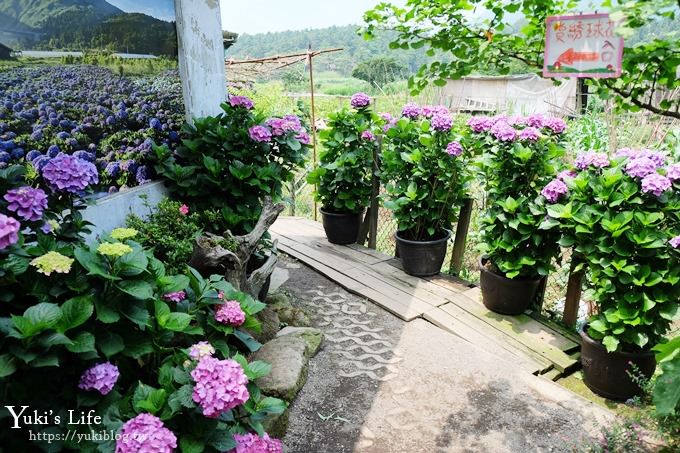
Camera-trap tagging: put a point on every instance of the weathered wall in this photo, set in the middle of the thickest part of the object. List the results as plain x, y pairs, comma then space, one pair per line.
512, 94
201, 56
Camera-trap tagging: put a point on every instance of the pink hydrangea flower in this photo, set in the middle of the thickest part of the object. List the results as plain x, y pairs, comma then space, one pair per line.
555, 190
480, 124
303, 137
241, 101
675, 242
145, 433
101, 377
584, 160
504, 132
535, 120
9, 231
230, 313
220, 386
530, 133
177, 296
184, 209
556, 125
656, 184
252, 443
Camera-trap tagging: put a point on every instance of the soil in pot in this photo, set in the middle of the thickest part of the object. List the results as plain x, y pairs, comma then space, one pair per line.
504, 295
341, 227
422, 258
606, 373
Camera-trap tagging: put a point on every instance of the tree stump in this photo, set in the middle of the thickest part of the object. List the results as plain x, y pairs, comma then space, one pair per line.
211, 255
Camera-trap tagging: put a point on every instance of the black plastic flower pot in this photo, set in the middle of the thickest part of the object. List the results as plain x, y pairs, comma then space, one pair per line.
341, 228
505, 295
422, 258
607, 373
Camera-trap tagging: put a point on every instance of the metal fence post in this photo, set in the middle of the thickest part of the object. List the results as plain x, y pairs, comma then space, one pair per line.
461, 236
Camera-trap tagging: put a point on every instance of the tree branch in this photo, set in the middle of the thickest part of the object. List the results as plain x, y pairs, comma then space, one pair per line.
642, 105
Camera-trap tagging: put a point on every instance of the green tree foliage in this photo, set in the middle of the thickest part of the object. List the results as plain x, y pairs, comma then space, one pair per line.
379, 71
487, 33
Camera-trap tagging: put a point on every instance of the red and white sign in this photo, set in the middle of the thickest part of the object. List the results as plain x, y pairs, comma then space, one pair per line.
583, 45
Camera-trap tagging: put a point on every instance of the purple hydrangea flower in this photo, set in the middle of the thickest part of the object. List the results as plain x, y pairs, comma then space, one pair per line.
556, 125
675, 242
454, 149
504, 132
177, 296
657, 157
101, 377
66, 173
656, 184
241, 101
442, 122
627, 152
554, 190
230, 313
530, 133
252, 443
566, 174
535, 120
201, 349
429, 111
142, 175
360, 100
112, 169
260, 134
28, 203
220, 386
303, 137
673, 172
411, 110
584, 160
9, 231
640, 167
145, 433
367, 136
386, 116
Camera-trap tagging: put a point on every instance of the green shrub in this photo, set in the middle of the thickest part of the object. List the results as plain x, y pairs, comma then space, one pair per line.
343, 177
169, 233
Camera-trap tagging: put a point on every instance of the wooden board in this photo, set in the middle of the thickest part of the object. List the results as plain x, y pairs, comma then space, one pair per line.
448, 302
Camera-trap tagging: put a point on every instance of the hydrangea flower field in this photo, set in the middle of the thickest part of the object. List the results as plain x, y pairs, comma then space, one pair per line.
89, 113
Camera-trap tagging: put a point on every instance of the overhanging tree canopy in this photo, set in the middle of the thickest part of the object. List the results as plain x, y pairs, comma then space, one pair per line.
489, 33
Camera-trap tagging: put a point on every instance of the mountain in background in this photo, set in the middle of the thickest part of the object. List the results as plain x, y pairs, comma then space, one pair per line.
83, 25
355, 48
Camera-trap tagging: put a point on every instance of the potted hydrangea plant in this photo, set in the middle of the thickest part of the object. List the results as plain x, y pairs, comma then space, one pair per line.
343, 177
425, 174
622, 217
518, 155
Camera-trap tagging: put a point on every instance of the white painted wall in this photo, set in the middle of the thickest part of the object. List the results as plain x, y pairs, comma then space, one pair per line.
201, 56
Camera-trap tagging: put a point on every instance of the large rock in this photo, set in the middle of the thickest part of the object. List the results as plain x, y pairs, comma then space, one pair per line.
289, 356
312, 337
270, 324
287, 312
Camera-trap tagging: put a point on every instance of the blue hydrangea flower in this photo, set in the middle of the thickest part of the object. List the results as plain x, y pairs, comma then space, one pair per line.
53, 151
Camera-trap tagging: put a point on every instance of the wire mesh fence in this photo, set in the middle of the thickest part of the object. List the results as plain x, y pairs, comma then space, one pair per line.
300, 200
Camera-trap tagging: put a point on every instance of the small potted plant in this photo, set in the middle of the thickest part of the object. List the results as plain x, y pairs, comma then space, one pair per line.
425, 175
343, 177
622, 217
517, 158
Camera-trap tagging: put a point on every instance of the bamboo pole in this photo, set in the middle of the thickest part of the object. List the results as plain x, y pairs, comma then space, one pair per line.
310, 57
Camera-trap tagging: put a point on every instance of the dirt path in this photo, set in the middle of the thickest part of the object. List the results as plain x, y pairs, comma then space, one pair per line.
383, 385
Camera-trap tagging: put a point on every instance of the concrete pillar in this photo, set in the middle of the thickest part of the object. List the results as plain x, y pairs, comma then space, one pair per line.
201, 56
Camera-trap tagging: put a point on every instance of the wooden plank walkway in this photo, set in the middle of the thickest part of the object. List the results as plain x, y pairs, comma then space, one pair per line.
449, 303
